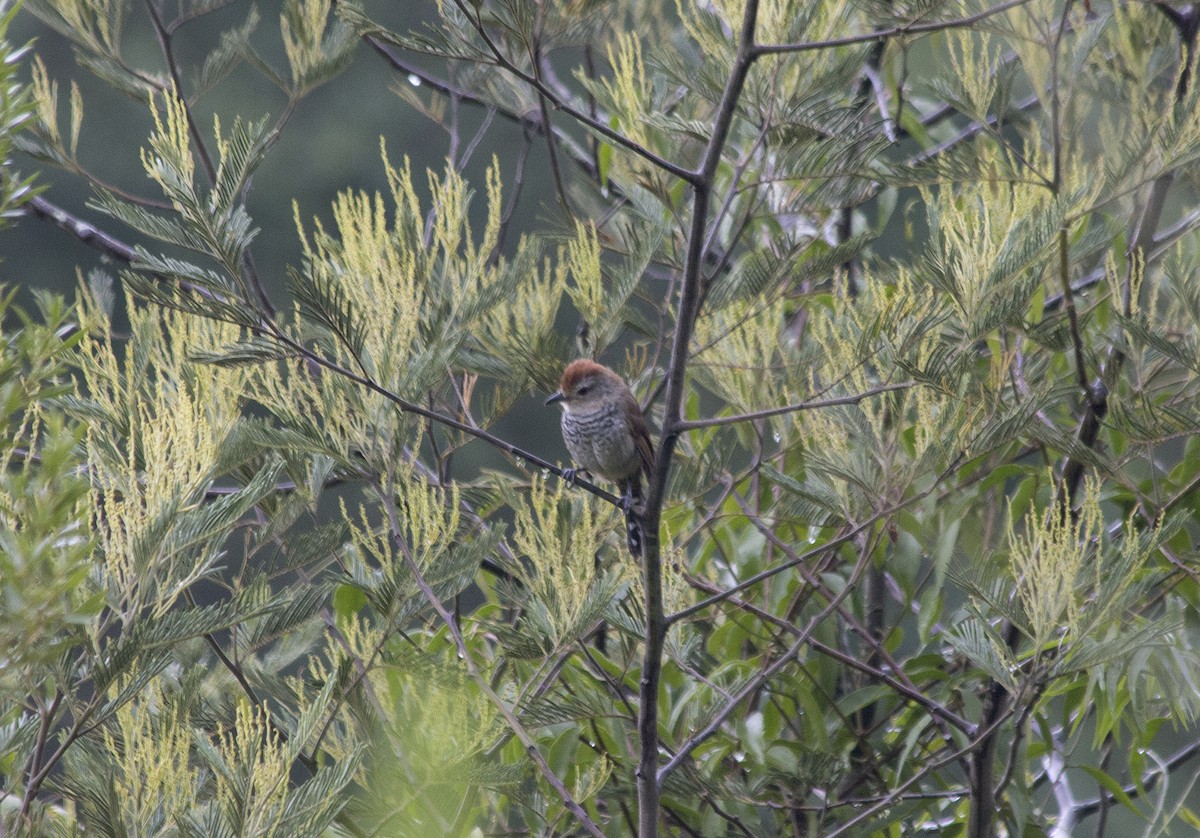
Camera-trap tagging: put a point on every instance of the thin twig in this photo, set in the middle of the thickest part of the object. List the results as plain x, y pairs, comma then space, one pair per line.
901, 29
507, 215
972, 130
248, 272
848, 535
763, 677
560, 104
514, 724
901, 687
1144, 784
1140, 243
695, 424
270, 329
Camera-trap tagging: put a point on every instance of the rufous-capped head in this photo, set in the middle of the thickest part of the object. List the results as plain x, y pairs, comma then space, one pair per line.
584, 382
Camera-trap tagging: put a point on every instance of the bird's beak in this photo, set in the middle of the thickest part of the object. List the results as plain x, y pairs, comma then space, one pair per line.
556, 398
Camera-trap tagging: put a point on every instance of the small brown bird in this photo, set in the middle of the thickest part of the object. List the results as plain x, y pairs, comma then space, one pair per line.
606, 434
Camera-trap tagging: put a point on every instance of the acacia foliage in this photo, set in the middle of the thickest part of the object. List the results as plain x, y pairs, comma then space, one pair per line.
908, 291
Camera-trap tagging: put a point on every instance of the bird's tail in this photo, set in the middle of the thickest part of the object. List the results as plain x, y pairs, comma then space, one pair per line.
633, 516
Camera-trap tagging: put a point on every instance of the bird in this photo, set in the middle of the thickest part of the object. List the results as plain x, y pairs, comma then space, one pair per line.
605, 433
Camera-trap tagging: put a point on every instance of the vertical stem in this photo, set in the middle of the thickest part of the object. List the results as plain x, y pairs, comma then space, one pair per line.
688, 307
656, 632
1187, 23
45, 723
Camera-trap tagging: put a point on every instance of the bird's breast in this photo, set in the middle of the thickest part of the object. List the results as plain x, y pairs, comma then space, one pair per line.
601, 442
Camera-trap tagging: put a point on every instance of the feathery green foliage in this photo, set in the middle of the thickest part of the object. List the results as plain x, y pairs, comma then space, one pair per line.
908, 294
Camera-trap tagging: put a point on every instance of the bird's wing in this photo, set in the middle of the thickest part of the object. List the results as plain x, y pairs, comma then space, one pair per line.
641, 437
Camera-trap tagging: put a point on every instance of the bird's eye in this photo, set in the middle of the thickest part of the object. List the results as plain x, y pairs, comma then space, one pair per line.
582, 391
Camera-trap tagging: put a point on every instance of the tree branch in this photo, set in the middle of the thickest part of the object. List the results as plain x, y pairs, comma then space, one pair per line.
210, 168
561, 104
514, 724
837, 541
902, 688
901, 29
649, 779
685, 425
1141, 242
1145, 784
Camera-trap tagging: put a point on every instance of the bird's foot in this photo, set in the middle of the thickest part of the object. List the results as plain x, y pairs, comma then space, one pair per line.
569, 474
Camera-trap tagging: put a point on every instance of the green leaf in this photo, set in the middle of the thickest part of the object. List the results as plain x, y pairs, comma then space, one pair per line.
244, 353
1112, 787
348, 601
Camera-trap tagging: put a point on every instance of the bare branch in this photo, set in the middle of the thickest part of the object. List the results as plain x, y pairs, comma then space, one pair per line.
695, 424
913, 28
560, 104
649, 778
